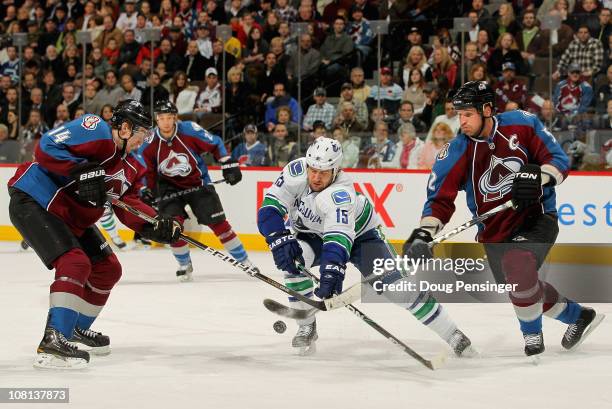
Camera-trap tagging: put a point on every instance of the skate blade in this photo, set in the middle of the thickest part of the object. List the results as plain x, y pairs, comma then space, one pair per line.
307, 350
98, 351
469, 352
50, 361
185, 278
535, 359
592, 326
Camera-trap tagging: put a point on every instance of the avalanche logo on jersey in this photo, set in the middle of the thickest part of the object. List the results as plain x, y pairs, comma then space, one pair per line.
176, 164
118, 184
496, 181
90, 122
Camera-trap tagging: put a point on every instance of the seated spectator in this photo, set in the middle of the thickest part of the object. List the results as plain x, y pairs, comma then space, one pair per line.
237, 94
99, 62
106, 113
359, 107
281, 151
389, 94
506, 21
70, 98
310, 60
204, 41
444, 69
506, 51
361, 91
109, 94
283, 116
484, 46
604, 93
573, 95
183, 96
360, 32
159, 92
350, 150
604, 27
407, 150
285, 11
336, 46
470, 59
449, 118
585, 51
12, 124
406, 116
34, 128
550, 119
509, 88
129, 50
62, 115
281, 98
381, 151
265, 78
321, 110
129, 89
440, 135
377, 114
209, 99
531, 40
194, 64
10, 150
478, 72
251, 152
11, 66
416, 59
256, 47
605, 121
110, 31
415, 90
127, 19
347, 119
585, 14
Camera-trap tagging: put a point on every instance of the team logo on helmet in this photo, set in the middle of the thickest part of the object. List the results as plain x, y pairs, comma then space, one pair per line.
496, 181
90, 122
176, 164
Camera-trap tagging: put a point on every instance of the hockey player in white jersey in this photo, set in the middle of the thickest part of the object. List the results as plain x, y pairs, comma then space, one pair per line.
331, 226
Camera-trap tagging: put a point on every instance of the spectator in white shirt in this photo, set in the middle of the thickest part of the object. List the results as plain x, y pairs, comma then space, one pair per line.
128, 18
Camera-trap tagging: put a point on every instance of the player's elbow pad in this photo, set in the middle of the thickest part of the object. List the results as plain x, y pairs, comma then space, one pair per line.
269, 221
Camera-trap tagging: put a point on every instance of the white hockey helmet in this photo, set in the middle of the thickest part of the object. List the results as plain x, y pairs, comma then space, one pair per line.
325, 154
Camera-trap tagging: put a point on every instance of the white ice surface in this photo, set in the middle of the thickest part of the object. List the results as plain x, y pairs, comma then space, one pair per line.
210, 344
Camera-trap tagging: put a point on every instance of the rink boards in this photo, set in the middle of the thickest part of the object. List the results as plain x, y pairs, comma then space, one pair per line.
584, 202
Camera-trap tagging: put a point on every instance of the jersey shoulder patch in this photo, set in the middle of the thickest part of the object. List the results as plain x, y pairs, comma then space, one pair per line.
297, 167
90, 122
341, 197
294, 175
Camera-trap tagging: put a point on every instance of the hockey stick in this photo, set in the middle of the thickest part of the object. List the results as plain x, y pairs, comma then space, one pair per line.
320, 305
184, 192
353, 293
433, 364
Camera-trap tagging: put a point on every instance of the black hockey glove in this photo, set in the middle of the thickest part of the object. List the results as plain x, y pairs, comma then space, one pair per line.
147, 196
231, 171
89, 177
527, 187
165, 230
285, 250
416, 246
332, 276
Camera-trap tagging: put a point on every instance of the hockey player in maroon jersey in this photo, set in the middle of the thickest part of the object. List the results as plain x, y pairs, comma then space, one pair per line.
177, 176
55, 203
496, 158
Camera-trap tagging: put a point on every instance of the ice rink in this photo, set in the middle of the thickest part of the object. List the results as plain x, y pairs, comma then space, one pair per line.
210, 344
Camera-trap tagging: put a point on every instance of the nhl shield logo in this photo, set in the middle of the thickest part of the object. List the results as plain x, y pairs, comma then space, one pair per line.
90, 122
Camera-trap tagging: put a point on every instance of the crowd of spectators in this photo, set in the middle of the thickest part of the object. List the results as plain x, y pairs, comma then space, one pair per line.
279, 90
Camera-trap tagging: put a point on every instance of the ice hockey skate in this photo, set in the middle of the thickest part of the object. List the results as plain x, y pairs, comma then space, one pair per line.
304, 339
577, 332
55, 352
184, 273
461, 345
94, 342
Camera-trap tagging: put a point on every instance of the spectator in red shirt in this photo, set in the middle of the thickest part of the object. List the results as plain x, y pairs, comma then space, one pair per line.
510, 89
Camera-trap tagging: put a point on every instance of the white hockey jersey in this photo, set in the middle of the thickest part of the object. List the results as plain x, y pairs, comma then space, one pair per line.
337, 214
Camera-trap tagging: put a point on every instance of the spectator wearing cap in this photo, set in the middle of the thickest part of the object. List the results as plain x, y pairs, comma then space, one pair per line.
389, 94
573, 95
281, 98
347, 120
251, 152
415, 39
407, 150
203, 40
127, 19
585, 51
361, 90
360, 108
321, 110
350, 150
407, 117
509, 88
209, 100
532, 42
194, 64
110, 31
337, 45
360, 32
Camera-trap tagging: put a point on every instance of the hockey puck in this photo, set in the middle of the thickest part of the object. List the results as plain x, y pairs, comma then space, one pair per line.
280, 327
